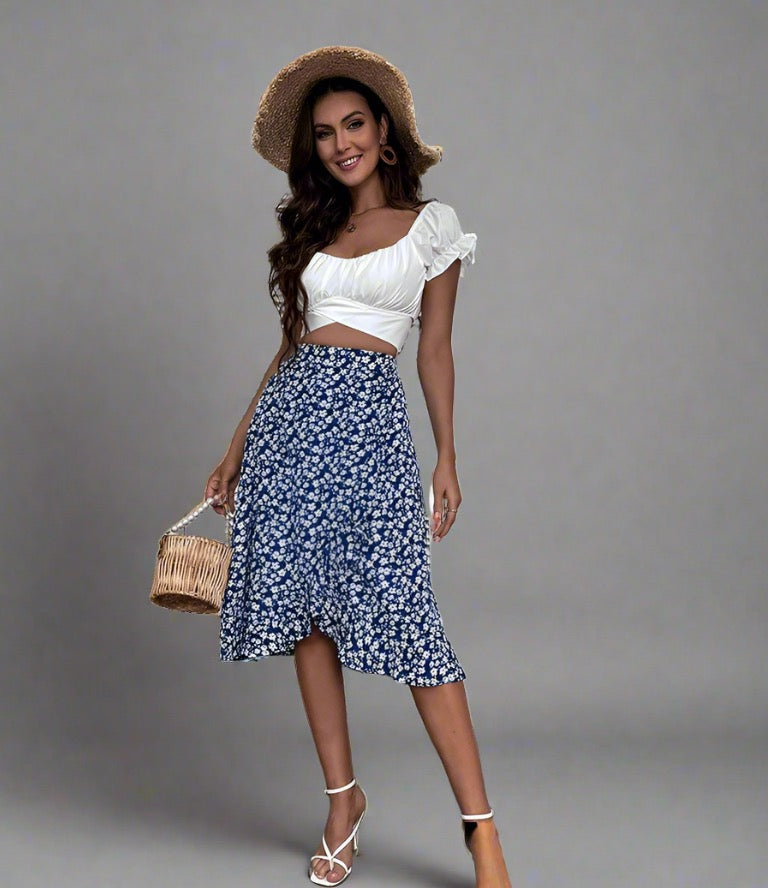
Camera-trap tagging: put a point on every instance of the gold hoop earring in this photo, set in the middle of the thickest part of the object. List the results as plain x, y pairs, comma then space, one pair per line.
387, 154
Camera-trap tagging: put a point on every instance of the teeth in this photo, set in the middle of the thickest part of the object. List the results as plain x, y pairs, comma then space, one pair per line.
350, 161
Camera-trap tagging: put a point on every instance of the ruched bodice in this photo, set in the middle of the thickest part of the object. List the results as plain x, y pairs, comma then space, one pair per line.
380, 292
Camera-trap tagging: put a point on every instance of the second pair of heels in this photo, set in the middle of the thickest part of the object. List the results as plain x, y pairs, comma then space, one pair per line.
469, 825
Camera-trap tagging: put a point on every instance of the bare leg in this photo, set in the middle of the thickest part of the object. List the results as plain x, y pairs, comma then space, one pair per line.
322, 690
445, 712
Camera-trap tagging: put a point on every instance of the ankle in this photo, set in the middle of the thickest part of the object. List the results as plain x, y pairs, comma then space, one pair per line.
479, 832
346, 801
485, 847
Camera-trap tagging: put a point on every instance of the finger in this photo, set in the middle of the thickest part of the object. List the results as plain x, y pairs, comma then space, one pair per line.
439, 532
233, 491
437, 515
220, 498
448, 519
212, 487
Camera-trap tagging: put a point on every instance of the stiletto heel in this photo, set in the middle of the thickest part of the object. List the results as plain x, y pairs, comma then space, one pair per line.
352, 837
469, 826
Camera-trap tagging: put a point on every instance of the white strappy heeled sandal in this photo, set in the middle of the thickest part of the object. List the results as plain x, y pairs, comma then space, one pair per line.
352, 837
469, 826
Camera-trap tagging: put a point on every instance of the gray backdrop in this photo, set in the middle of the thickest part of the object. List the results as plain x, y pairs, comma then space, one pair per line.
605, 585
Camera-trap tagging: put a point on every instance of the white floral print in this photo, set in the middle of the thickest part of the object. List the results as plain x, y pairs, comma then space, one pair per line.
330, 525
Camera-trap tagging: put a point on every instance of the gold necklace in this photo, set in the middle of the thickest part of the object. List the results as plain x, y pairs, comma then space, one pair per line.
352, 226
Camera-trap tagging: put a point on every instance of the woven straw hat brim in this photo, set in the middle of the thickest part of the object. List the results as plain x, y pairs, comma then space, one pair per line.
274, 126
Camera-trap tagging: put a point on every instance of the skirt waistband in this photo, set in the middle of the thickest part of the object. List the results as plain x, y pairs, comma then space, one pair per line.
343, 352
339, 359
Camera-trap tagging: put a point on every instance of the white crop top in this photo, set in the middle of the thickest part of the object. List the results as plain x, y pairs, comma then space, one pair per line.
380, 292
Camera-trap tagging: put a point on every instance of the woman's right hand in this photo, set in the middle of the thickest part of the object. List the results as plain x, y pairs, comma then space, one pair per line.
222, 483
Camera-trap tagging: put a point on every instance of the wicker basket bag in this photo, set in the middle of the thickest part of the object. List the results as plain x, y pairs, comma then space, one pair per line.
191, 571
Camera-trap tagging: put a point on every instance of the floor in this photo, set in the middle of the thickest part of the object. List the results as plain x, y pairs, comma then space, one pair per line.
579, 812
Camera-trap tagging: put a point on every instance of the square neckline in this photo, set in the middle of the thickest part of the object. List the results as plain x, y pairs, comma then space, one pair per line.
408, 233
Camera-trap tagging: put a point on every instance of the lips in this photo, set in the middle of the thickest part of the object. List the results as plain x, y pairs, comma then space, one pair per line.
350, 166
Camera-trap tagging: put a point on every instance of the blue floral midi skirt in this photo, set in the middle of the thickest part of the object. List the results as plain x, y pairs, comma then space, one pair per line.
330, 525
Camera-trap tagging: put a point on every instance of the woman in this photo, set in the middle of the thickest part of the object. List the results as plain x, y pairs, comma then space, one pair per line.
330, 540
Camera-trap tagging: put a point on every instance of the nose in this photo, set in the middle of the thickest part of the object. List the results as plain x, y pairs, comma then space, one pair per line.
342, 141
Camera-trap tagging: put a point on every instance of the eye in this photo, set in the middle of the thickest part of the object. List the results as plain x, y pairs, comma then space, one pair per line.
356, 124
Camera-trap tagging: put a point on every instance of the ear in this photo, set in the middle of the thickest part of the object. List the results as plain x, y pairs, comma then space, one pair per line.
383, 127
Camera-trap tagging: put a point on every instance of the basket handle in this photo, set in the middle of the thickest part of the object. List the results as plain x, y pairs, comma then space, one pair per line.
199, 509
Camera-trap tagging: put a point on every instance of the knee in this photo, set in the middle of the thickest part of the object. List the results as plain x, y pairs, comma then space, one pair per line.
315, 635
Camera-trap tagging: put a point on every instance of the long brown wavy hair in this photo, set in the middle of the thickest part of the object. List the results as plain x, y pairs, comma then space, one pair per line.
318, 204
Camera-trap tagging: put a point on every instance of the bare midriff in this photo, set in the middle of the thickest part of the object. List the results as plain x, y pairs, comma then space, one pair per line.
347, 337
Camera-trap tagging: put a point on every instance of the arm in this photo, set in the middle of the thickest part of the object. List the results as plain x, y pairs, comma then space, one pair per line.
434, 361
224, 478
237, 446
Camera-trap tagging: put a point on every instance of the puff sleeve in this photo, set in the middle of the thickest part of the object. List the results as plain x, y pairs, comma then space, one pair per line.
443, 241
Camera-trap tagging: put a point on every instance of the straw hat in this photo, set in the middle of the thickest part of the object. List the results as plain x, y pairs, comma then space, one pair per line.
279, 106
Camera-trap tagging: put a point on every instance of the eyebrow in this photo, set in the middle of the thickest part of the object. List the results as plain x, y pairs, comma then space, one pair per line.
346, 117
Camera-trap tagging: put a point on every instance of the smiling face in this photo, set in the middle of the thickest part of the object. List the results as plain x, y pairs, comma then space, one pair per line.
346, 130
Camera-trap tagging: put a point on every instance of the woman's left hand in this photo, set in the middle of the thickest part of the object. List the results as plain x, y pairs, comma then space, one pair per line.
445, 487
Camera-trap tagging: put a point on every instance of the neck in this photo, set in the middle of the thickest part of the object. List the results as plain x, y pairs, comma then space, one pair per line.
368, 194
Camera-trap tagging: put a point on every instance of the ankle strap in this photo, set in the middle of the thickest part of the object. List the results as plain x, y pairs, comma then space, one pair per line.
477, 816
341, 788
